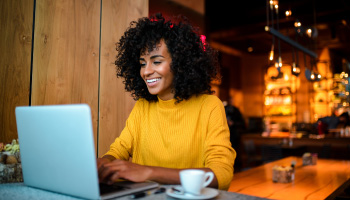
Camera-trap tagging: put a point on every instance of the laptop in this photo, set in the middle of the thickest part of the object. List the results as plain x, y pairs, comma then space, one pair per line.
58, 152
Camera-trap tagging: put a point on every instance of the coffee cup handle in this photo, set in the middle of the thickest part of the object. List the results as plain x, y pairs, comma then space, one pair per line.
209, 176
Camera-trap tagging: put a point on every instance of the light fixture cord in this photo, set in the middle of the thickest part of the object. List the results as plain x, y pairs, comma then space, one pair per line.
268, 12
315, 24
278, 29
305, 61
297, 54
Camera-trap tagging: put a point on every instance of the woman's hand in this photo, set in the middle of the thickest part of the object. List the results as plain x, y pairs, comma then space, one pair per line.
101, 162
111, 171
100, 166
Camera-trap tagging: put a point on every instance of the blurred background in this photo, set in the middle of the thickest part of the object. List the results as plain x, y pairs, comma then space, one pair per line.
284, 66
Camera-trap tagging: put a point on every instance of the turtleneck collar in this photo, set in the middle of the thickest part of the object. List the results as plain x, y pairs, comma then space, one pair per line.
168, 103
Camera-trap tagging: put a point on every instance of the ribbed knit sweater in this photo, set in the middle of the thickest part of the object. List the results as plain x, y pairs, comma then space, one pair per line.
190, 134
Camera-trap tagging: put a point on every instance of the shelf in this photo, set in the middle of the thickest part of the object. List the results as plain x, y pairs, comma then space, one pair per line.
275, 95
279, 96
279, 115
280, 105
321, 103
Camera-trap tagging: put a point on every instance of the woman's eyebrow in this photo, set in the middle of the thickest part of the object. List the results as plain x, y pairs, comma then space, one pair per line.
156, 56
152, 57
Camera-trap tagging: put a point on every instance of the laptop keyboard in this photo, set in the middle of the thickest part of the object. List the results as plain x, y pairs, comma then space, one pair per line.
104, 188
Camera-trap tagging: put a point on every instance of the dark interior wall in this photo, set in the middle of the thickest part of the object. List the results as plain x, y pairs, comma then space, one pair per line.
234, 64
170, 9
230, 73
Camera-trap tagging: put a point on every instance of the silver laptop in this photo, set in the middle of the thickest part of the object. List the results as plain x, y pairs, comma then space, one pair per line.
58, 153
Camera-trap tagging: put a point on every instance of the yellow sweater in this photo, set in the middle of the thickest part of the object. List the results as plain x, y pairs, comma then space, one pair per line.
190, 134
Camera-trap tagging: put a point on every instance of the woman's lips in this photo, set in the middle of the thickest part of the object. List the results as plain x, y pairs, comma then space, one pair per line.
152, 82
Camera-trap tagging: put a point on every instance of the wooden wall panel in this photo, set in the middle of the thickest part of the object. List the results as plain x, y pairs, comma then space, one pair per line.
115, 103
66, 53
16, 27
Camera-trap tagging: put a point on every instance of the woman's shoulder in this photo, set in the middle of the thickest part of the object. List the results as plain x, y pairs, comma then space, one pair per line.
209, 99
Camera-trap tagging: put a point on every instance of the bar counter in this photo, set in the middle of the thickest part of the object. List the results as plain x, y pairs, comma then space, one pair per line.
333, 147
311, 181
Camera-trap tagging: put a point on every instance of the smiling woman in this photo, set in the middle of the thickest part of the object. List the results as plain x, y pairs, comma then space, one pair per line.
176, 123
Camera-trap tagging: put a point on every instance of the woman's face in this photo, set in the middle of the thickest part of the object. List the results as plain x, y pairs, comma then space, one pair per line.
155, 71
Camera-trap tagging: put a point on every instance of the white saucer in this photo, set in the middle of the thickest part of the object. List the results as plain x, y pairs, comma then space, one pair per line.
207, 193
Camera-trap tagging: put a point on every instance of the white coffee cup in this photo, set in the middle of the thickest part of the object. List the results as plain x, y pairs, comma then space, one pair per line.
194, 180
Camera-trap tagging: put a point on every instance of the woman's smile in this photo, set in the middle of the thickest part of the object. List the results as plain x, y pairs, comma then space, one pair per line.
152, 82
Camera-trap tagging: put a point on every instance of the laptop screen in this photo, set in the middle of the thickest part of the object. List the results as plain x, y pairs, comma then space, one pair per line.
57, 149
58, 152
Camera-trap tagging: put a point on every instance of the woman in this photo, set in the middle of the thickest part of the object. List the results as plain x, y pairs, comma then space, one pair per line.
175, 124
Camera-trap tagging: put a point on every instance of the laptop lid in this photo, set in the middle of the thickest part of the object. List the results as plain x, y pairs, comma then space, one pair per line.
58, 153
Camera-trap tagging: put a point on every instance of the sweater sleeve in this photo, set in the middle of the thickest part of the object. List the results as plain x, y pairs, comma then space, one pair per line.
219, 154
123, 145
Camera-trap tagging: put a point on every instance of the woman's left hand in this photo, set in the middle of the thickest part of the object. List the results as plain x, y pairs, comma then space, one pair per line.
126, 170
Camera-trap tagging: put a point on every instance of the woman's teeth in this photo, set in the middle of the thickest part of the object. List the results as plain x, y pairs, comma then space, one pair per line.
152, 80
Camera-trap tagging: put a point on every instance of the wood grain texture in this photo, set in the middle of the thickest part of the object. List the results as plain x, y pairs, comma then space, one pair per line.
66, 53
115, 103
311, 182
16, 27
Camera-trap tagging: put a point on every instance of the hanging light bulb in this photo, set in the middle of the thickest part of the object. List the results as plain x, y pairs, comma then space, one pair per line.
273, 2
312, 76
271, 55
295, 69
280, 61
319, 76
309, 32
250, 49
272, 52
297, 24
288, 13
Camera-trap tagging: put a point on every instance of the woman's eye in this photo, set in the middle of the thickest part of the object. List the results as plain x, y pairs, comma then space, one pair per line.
142, 64
157, 62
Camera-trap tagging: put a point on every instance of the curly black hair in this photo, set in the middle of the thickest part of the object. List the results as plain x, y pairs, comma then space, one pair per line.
194, 63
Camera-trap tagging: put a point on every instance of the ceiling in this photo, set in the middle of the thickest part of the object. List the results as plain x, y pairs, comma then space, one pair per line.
241, 24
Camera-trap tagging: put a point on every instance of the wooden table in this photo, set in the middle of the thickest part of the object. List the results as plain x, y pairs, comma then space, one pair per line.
15, 191
311, 182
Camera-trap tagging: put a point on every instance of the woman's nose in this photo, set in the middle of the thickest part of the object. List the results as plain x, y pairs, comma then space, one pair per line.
148, 70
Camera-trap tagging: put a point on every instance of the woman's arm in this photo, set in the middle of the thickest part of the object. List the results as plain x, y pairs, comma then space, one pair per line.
110, 170
219, 154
